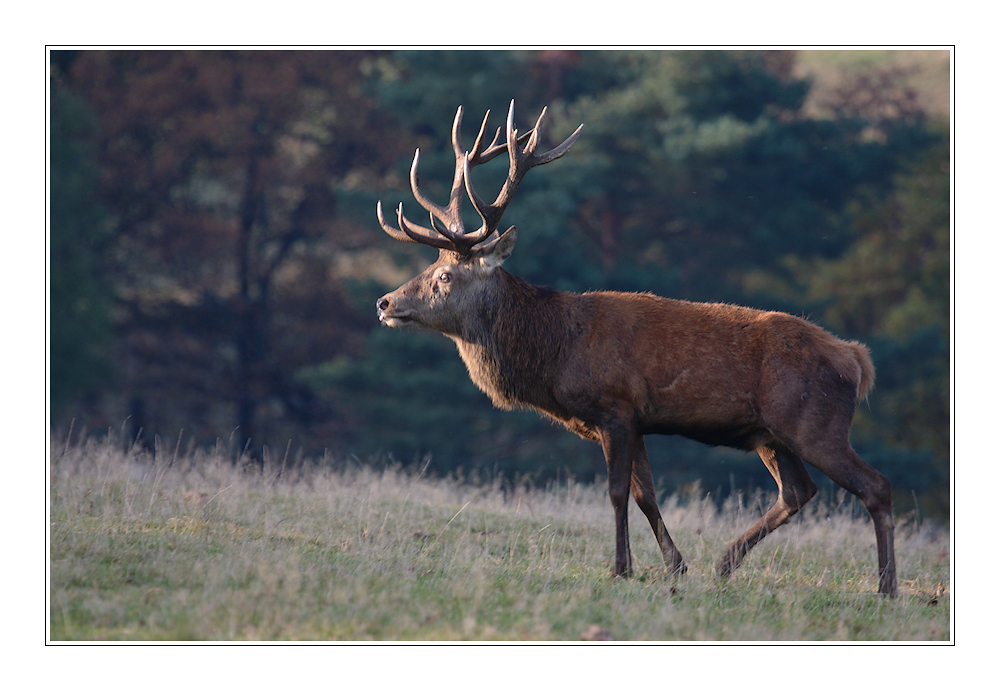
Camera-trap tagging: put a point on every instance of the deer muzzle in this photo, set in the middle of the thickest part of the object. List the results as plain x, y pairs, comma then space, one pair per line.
389, 316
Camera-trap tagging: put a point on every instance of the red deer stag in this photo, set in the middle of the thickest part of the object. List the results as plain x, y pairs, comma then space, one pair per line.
613, 367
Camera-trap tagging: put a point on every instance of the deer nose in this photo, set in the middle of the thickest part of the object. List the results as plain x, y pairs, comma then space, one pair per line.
382, 304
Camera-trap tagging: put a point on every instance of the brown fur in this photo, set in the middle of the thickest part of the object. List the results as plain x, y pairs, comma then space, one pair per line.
613, 367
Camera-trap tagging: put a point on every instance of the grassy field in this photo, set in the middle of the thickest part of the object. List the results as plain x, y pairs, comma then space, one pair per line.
190, 547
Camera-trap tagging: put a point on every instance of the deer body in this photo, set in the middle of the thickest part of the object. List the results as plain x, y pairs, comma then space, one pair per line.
613, 367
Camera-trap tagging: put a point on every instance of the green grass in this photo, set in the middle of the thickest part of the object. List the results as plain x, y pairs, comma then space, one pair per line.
200, 550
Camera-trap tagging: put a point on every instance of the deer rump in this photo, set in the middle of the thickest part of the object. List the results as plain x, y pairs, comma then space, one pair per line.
614, 367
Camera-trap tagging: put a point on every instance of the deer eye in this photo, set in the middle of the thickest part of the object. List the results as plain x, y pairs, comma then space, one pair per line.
444, 277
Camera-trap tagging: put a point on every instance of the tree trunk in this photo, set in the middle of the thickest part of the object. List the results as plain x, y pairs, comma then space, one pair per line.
247, 335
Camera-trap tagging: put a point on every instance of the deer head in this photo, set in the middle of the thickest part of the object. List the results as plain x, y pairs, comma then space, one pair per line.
440, 297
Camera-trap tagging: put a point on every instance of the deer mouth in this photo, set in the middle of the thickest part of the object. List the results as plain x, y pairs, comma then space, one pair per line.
397, 320
390, 316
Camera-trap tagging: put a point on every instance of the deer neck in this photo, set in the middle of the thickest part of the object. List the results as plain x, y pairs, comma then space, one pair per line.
510, 345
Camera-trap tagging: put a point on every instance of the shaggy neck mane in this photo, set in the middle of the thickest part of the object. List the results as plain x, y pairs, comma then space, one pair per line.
512, 345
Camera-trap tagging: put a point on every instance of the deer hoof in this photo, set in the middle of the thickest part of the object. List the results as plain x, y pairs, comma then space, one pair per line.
726, 566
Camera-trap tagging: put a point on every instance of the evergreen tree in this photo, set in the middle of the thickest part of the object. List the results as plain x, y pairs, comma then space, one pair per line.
80, 294
245, 257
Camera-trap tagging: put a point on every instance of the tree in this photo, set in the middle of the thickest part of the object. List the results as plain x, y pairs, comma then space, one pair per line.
220, 168
891, 285
245, 258
80, 296
697, 176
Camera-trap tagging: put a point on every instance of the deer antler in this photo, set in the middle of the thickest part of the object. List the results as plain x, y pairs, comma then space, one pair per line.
446, 228
521, 161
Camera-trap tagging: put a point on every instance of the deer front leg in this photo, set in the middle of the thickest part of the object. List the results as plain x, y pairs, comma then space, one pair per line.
644, 493
619, 445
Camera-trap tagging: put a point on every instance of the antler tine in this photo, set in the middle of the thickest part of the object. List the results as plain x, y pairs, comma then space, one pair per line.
559, 151
455, 201
456, 134
410, 231
449, 217
553, 154
446, 228
420, 234
447, 221
478, 155
511, 130
521, 161
392, 232
486, 211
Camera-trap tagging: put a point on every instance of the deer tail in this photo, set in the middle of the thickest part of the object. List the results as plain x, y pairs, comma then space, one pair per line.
864, 359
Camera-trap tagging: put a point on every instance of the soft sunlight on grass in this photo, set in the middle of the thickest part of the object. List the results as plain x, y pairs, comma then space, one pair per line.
194, 548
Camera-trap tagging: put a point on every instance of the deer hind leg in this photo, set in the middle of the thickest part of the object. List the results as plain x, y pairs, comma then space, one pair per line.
795, 488
842, 464
645, 496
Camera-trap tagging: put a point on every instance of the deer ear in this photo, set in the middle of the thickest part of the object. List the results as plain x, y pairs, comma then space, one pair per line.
498, 251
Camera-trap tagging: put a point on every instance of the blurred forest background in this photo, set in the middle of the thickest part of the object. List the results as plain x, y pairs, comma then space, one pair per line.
215, 258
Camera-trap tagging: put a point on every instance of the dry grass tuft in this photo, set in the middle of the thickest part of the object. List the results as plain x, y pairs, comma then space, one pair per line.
192, 547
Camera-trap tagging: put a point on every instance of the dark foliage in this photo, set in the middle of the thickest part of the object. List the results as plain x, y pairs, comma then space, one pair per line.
215, 255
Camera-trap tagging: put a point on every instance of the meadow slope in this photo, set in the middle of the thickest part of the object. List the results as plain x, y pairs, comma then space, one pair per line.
190, 547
